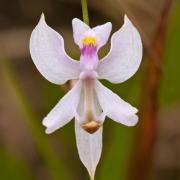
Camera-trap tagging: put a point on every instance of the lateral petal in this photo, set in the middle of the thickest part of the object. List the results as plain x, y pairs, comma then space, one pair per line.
89, 148
64, 111
125, 55
114, 107
79, 29
49, 56
102, 33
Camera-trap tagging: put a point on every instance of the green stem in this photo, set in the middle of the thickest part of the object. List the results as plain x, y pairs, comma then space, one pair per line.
85, 11
53, 164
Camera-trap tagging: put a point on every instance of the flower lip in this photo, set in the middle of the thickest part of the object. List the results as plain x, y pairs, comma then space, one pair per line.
91, 127
91, 122
89, 50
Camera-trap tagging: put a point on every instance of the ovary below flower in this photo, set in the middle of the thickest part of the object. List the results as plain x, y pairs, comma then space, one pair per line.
88, 101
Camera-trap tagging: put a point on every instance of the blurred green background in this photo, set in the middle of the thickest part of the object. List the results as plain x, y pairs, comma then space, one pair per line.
27, 153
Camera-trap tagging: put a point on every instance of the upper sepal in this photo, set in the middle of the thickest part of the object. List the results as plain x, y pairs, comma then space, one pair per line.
125, 54
49, 56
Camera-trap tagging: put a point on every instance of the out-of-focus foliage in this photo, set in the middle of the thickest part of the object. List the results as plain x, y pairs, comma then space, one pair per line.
170, 89
12, 167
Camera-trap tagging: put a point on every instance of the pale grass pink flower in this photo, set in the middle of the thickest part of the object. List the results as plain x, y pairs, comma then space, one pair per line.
88, 101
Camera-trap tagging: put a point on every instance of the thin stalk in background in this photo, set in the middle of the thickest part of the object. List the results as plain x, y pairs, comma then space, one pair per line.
147, 131
84, 6
53, 164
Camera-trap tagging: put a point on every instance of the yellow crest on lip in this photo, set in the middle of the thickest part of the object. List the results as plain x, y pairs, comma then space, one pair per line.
89, 40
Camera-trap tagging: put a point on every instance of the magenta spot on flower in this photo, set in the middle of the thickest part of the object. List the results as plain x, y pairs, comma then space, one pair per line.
89, 50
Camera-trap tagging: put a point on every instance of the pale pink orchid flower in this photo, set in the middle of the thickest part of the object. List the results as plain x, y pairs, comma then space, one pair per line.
88, 101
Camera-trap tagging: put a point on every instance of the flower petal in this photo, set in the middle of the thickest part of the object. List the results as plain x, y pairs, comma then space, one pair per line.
49, 56
102, 33
114, 107
79, 29
125, 55
64, 111
89, 148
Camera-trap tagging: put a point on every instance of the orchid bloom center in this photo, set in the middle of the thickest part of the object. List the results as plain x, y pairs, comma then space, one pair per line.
89, 48
89, 40
89, 58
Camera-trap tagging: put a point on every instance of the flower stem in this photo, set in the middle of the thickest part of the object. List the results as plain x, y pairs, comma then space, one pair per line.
147, 131
85, 11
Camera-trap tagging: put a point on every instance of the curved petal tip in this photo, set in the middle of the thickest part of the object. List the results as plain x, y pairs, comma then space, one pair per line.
48, 131
42, 19
126, 18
